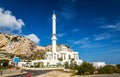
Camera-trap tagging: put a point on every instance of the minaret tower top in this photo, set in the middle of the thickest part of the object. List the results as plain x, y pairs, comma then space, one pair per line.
54, 23
54, 32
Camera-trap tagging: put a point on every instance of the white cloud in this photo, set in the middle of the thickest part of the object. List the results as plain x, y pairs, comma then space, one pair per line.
67, 13
86, 43
83, 41
87, 46
102, 36
61, 34
117, 49
33, 37
75, 30
115, 27
92, 46
100, 21
77, 42
116, 41
8, 22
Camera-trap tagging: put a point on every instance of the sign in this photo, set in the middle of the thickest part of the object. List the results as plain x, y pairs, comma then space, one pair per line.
16, 59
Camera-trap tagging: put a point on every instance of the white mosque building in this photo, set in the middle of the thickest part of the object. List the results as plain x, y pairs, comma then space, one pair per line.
51, 58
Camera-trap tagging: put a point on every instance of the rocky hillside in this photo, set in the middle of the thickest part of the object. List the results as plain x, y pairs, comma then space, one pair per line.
11, 45
16, 44
59, 48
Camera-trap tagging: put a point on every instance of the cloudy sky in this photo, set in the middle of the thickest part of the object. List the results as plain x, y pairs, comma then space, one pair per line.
91, 27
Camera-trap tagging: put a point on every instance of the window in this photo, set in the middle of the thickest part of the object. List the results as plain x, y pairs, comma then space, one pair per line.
69, 57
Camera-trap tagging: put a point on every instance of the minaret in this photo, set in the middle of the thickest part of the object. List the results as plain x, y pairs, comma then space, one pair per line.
54, 38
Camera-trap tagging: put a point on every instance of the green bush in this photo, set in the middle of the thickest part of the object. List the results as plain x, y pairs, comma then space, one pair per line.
4, 62
37, 65
66, 65
73, 72
108, 69
85, 69
86, 73
118, 66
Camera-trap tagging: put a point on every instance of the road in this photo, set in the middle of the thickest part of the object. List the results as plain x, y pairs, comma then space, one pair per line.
32, 72
53, 73
102, 75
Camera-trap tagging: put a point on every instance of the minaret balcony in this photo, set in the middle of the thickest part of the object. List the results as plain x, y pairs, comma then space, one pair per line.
54, 38
53, 34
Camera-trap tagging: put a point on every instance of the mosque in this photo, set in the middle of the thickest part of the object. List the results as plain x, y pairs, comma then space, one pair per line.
51, 58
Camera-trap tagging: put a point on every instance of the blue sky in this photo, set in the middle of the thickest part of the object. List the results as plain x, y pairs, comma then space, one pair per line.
91, 27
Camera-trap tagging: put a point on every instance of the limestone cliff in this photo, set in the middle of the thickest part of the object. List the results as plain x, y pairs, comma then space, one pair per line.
19, 45
59, 48
16, 44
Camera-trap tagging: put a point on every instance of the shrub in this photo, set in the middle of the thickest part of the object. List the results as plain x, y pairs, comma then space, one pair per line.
4, 62
66, 65
85, 69
73, 72
118, 66
86, 73
108, 69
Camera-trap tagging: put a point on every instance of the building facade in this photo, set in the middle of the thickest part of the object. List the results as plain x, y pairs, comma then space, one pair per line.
53, 57
62, 56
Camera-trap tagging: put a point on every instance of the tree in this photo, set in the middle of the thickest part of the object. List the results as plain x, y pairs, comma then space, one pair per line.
72, 63
118, 66
108, 69
66, 65
60, 59
40, 54
85, 69
4, 62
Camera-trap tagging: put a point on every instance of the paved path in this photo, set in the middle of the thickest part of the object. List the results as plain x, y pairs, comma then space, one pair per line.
102, 75
32, 72
54, 73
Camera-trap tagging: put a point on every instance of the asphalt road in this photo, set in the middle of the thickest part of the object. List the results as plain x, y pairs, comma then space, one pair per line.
39, 72
102, 75
32, 72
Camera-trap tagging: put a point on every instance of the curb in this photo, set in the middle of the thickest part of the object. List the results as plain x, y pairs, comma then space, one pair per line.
13, 74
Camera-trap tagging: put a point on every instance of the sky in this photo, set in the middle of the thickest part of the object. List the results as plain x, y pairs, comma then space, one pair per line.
90, 27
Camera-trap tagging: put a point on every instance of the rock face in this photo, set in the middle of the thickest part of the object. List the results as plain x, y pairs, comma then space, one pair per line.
59, 48
19, 45
16, 44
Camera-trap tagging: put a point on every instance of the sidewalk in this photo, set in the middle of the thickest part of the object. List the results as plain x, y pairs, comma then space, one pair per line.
13, 74
55, 74
41, 68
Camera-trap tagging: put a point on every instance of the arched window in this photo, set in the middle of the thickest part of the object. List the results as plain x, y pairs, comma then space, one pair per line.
69, 56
